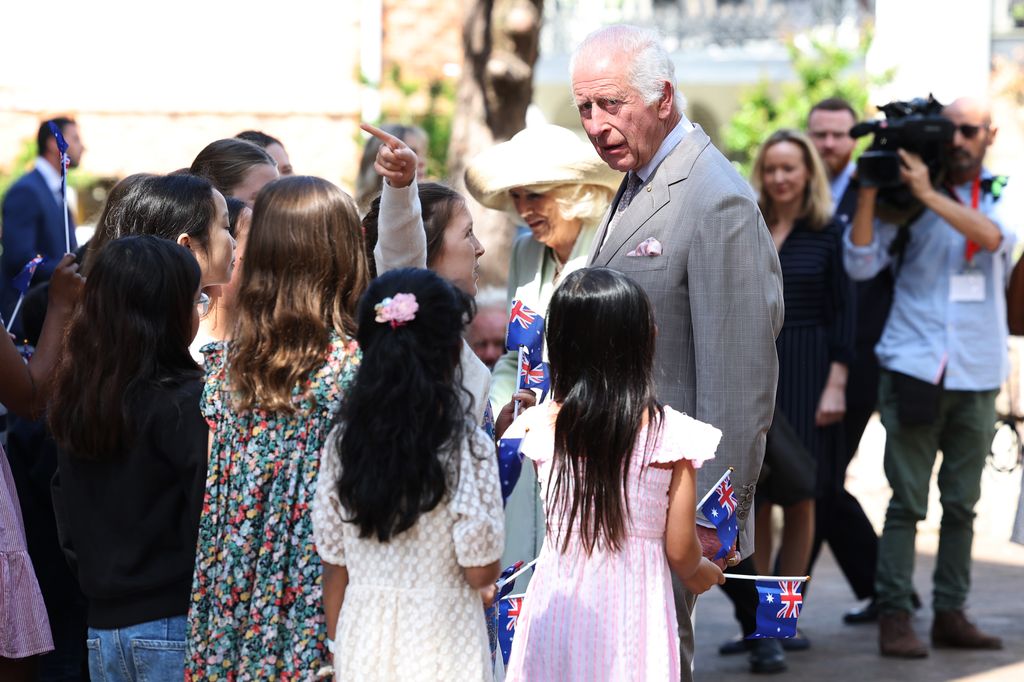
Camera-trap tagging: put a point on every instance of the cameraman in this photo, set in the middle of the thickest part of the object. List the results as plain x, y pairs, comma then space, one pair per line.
943, 357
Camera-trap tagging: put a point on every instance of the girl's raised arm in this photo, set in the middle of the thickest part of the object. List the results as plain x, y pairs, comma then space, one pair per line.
401, 239
24, 389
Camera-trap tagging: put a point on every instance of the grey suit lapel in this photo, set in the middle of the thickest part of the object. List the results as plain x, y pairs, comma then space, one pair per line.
675, 168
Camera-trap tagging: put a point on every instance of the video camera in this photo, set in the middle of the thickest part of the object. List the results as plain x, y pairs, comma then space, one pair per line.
916, 126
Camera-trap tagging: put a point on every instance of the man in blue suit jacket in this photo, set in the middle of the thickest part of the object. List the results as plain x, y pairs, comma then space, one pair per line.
33, 219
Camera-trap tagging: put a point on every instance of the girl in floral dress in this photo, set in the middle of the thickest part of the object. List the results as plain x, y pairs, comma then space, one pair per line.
271, 395
408, 514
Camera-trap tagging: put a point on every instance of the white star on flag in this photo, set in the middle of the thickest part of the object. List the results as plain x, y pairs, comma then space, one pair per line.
714, 512
769, 598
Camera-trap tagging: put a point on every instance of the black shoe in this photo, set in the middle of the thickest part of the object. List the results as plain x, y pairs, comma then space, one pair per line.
863, 614
766, 656
733, 646
798, 643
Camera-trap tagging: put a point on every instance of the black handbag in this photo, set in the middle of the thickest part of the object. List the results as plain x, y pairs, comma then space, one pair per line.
789, 472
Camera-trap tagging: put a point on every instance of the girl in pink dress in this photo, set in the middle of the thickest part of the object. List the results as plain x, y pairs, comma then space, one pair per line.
617, 476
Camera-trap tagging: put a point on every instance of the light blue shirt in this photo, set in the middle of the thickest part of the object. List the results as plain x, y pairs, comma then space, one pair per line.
927, 333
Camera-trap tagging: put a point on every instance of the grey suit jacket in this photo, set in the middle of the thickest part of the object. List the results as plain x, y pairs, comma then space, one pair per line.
717, 296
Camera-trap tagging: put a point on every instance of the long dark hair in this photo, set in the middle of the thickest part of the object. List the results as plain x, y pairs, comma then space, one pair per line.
131, 332
226, 162
601, 336
165, 206
438, 205
405, 407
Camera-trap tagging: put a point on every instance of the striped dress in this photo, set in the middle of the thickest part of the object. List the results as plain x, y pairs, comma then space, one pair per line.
818, 331
24, 627
609, 616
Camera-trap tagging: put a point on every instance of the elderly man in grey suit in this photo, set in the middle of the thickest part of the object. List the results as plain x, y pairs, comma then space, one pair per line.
687, 228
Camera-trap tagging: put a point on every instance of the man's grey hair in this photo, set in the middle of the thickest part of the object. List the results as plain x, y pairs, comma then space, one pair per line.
649, 62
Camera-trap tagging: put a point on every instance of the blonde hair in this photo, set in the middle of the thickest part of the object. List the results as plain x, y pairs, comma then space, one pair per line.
817, 204
576, 201
305, 268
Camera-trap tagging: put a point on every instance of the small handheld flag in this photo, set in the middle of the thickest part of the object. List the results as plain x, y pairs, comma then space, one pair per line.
510, 465
506, 581
778, 607
534, 374
23, 279
509, 609
65, 161
719, 507
525, 329
21, 282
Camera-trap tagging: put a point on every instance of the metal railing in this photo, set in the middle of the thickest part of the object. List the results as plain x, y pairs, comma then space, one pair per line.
696, 24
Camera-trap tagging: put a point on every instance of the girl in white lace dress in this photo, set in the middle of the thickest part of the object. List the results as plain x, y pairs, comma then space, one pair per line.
407, 515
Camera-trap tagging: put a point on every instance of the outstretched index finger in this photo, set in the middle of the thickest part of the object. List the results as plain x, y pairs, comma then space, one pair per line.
393, 143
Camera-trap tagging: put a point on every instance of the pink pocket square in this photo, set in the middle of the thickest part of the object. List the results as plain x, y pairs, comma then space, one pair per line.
649, 247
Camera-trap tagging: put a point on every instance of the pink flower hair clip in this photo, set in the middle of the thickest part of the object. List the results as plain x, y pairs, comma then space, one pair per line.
398, 309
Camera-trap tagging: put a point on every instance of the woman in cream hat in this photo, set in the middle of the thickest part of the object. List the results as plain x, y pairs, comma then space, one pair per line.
554, 182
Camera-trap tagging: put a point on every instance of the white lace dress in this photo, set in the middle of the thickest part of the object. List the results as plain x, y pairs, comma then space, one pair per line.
408, 613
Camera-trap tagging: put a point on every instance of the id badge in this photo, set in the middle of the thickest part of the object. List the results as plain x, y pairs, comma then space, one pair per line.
967, 287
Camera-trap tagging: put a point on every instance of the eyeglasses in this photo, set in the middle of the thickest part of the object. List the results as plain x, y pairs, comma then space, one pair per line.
970, 132
203, 304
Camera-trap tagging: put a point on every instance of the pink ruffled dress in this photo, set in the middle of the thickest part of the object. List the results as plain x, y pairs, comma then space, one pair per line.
609, 616
24, 627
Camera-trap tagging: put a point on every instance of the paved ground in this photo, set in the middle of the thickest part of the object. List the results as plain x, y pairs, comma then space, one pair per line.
842, 652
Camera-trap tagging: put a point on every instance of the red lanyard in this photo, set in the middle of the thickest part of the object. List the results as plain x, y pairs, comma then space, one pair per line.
971, 248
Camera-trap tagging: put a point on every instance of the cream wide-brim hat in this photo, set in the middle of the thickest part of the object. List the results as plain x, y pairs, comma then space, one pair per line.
539, 156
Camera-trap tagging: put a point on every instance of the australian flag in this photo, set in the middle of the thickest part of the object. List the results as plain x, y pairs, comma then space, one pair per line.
492, 614
778, 607
525, 329
534, 374
62, 147
510, 465
720, 510
23, 279
509, 609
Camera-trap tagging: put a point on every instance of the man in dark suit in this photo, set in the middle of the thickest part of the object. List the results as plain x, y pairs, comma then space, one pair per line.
687, 228
840, 520
33, 213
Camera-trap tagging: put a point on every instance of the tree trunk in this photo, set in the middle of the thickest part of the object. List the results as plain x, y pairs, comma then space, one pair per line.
500, 40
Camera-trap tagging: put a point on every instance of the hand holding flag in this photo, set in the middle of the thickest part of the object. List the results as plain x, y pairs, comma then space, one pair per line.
719, 508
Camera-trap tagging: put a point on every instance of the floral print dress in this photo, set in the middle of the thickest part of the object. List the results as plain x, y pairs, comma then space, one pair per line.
257, 598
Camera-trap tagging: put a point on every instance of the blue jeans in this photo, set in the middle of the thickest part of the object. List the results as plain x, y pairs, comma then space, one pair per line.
147, 652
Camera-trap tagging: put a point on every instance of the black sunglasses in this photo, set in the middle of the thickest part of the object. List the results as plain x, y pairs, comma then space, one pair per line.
968, 131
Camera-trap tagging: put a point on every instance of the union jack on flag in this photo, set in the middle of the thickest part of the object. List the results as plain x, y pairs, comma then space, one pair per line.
525, 330
726, 495
515, 605
531, 375
509, 610
778, 608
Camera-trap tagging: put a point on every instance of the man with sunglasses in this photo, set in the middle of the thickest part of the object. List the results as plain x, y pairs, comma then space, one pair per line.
943, 357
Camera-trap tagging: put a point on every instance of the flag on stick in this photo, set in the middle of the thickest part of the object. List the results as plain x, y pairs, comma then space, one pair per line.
509, 609
778, 607
525, 330
22, 281
719, 507
65, 161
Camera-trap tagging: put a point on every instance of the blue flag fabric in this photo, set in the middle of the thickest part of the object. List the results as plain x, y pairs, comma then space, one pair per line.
23, 280
508, 617
491, 613
62, 147
778, 608
510, 465
720, 510
525, 328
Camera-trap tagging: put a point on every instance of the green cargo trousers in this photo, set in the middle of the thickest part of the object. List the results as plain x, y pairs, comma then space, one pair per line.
963, 432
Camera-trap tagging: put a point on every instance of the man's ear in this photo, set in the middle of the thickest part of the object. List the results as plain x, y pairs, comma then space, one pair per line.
668, 98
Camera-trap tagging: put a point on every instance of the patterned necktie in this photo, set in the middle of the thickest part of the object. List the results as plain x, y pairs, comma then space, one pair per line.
633, 183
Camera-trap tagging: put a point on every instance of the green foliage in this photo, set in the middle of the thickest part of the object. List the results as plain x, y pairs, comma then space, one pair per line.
823, 69
435, 117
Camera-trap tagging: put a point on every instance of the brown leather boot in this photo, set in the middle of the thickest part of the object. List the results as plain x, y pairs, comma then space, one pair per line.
896, 636
952, 629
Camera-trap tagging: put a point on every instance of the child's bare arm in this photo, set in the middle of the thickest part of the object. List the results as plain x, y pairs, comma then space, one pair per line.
681, 544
